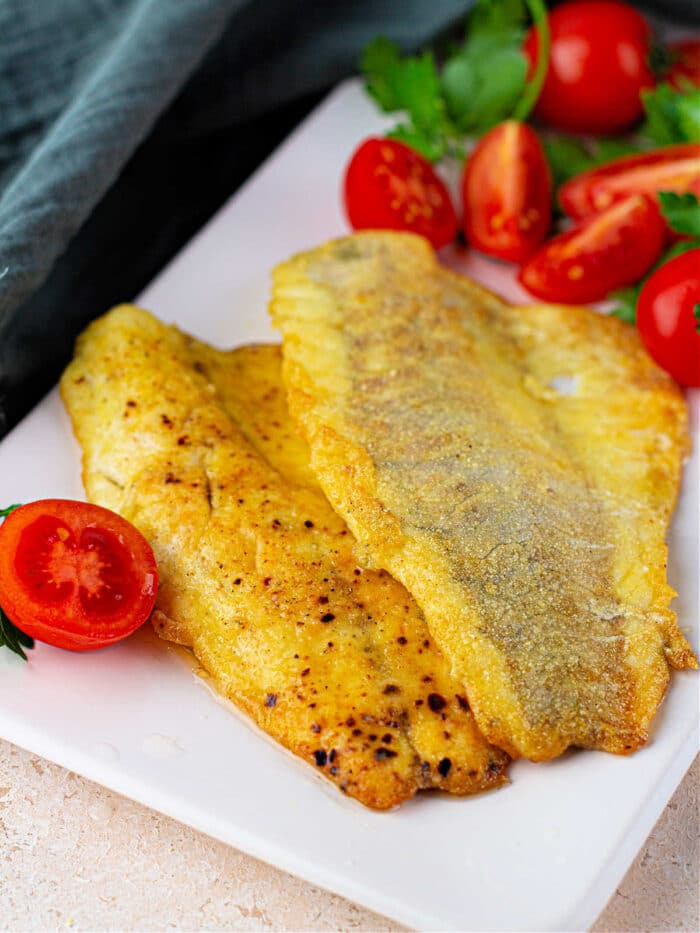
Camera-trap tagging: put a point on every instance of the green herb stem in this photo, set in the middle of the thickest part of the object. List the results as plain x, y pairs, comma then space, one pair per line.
538, 11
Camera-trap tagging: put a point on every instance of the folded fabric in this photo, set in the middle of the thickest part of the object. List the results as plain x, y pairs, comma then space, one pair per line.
125, 123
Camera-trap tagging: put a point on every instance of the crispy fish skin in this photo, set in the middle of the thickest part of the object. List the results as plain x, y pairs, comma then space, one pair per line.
258, 574
528, 523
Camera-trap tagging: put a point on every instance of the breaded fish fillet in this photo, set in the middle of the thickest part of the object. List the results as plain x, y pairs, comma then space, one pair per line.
258, 574
527, 521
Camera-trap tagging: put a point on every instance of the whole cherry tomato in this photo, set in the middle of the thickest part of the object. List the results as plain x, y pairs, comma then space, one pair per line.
671, 168
390, 186
668, 317
685, 68
605, 251
598, 64
75, 575
507, 193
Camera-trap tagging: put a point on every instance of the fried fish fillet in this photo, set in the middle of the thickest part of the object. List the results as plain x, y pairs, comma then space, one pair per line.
527, 521
258, 574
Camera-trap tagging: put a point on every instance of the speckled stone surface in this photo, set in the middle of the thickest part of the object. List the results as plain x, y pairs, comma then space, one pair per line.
75, 856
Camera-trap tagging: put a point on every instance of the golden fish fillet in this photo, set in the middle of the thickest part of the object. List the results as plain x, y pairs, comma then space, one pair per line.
258, 574
514, 468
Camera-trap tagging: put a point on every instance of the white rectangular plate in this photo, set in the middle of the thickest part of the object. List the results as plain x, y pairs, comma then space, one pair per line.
544, 853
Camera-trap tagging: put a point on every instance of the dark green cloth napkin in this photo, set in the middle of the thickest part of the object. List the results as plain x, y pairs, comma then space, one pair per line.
125, 123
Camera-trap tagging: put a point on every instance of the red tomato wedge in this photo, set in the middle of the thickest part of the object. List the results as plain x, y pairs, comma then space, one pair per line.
672, 168
604, 252
685, 69
507, 193
75, 575
598, 64
668, 317
390, 186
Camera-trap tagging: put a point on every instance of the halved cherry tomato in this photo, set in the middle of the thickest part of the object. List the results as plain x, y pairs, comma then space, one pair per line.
390, 186
75, 575
506, 193
685, 68
598, 64
604, 252
668, 317
671, 168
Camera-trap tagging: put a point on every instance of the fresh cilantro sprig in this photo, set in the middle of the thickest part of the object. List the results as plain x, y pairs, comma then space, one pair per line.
482, 81
671, 116
682, 211
10, 636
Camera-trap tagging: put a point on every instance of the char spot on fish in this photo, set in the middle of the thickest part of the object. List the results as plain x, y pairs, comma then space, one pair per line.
380, 753
444, 766
309, 523
315, 727
463, 702
271, 700
436, 702
391, 688
328, 617
320, 757
402, 640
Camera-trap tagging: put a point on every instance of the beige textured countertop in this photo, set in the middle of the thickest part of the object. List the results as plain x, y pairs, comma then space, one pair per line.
76, 856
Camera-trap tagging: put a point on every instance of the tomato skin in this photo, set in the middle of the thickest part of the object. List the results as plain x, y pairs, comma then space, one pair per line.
75, 575
507, 193
686, 67
597, 67
670, 168
606, 251
390, 186
665, 319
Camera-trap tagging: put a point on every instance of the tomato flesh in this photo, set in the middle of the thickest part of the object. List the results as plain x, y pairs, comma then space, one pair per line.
597, 67
604, 252
671, 168
666, 317
506, 193
75, 575
390, 186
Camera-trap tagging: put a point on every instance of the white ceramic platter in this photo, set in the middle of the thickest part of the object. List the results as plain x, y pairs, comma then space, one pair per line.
544, 853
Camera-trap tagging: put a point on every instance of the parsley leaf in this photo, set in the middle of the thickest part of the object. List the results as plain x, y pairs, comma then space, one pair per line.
483, 81
671, 116
485, 76
682, 211
627, 298
410, 85
696, 315
11, 637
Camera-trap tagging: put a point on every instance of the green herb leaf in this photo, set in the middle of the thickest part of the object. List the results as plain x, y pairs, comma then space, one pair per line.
682, 211
626, 306
696, 315
671, 116
409, 85
13, 638
627, 298
567, 157
483, 81
10, 636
